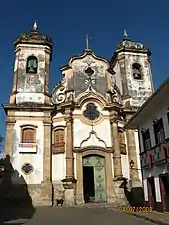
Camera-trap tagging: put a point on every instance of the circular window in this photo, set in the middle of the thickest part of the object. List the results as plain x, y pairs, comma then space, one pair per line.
91, 112
27, 168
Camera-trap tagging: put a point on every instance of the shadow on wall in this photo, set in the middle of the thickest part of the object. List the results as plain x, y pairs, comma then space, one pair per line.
135, 197
15, 201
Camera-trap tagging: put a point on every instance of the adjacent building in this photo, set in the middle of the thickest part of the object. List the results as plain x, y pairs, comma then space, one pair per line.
75, 134
152, 122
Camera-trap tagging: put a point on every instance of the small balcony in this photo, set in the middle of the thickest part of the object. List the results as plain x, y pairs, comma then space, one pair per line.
27, 148
146, 159
159, 154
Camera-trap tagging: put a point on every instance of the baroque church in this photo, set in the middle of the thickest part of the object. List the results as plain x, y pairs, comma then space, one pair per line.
74, 136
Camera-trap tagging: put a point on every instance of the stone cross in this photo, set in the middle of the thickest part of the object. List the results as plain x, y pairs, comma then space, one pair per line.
87, 41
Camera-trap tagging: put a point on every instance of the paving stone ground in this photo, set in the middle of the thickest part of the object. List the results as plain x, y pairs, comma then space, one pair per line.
67, 216
155, 217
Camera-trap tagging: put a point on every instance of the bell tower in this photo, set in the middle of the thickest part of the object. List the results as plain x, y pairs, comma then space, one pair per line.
33, 52
131, 63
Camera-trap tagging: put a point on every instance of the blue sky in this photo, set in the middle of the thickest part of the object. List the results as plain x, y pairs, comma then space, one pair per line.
68, 21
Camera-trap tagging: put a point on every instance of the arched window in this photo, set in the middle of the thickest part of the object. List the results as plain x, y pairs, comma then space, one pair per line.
121, 139
32, 64
28, 135
137, 73
59, 141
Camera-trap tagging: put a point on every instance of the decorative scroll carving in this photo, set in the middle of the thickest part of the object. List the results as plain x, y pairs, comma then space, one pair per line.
58, 95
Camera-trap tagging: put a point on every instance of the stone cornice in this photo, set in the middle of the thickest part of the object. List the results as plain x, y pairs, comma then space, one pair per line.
27, 107
94, 148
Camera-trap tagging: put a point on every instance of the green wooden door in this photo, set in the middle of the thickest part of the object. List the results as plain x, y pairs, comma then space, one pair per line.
99, 176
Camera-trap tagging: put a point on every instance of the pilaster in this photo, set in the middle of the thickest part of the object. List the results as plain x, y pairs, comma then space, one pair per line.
122, 65
69, 148
10, 122
115, 142
132, 155
109, 178
47, 150
69, 182
79, 184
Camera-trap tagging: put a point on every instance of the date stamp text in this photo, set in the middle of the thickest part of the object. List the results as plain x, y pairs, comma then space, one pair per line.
132, 209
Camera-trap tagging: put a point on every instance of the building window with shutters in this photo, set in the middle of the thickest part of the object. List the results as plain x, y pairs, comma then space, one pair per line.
59, 141
159, 131
146, 140
28, 135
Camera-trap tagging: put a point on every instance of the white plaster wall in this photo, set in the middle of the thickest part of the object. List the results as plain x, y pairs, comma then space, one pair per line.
161, 113
58, 167
29, 97
75, 171
125, 166
157, 189
58, 160
118, 77
34, 114
82, 131
112, 165
145, 187
138, 154
18, 159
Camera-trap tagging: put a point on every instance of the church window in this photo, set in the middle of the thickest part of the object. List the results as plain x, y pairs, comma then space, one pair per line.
121, 139
136, 69
59, 141
32, 64
91, 112
28, 135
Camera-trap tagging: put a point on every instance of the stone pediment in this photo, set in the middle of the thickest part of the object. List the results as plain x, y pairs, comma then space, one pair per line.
89, 59
89, 73
92, 95
84, 74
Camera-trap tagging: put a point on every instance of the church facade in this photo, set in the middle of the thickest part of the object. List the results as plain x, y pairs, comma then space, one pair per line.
75, 134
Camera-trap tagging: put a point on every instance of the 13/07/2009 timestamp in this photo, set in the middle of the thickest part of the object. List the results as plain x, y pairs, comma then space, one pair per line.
132, 209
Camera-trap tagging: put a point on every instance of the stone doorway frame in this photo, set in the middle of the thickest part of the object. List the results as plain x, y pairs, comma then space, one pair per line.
93, 150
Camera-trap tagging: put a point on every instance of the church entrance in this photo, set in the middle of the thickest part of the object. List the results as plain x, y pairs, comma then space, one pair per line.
94, 185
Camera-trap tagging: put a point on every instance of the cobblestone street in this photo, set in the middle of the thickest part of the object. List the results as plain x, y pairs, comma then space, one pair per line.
67, 216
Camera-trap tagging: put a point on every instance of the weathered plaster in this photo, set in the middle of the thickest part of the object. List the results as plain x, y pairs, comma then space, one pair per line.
139, 90
82, 133
30, 97
18, 159
29, 84
31, 114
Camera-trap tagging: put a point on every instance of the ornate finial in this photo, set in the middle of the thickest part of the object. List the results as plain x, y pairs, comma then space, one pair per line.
35, 26
125, 34
87, 41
